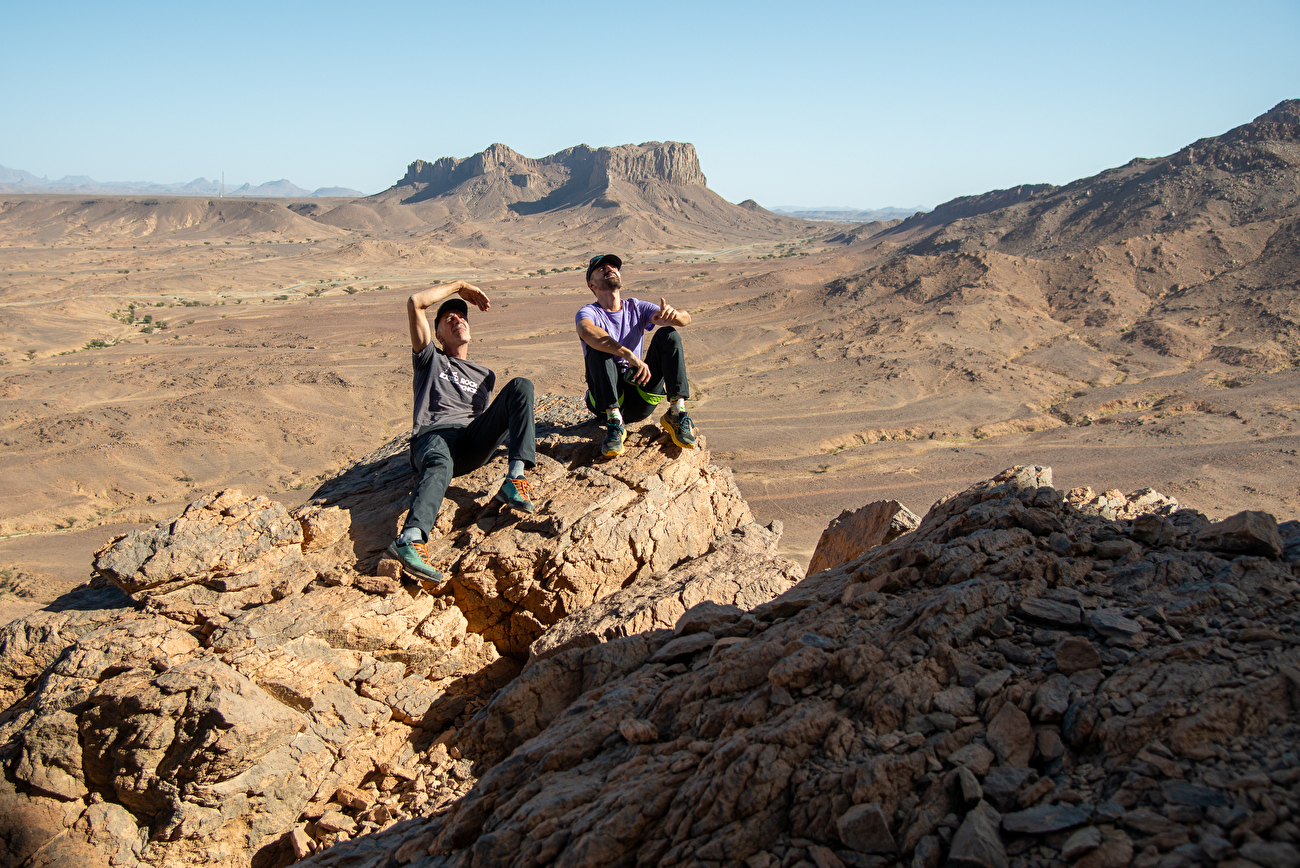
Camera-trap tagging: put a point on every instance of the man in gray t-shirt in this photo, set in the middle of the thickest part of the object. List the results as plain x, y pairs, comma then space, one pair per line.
455, 426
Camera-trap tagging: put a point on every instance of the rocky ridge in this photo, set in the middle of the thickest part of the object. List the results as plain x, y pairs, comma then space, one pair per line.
1250, 174
1030, 678
245, 684
627, 196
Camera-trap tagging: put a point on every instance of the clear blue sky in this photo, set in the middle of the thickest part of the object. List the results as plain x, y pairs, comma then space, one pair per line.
810, 103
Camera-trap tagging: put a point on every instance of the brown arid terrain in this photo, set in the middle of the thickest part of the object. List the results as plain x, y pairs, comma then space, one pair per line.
208, 660
1137, 326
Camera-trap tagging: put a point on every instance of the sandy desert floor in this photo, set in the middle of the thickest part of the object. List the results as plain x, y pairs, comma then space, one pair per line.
136, 373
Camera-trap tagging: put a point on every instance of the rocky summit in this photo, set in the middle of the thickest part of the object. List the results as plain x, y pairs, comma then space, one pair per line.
1026, 677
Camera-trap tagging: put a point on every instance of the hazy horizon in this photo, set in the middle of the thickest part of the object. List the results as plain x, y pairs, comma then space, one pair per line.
837, 101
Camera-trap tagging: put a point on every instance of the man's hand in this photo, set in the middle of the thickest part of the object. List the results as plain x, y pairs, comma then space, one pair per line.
473, 295
639, 370
667, 315
598, 339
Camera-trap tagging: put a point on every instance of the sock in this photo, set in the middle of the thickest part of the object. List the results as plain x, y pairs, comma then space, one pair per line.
516, 469
677, 406
614, 415
410, 535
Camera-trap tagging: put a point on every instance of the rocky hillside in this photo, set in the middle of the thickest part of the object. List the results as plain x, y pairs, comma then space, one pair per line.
1250, 174
1145, 288
1030, 678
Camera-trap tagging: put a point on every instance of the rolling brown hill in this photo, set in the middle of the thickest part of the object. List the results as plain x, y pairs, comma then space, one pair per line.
1080, 322
51, 218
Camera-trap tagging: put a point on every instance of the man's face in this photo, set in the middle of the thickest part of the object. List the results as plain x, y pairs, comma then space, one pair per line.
605, 277
452, 330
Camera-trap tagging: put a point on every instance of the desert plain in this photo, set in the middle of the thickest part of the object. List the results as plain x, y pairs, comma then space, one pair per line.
1133, 329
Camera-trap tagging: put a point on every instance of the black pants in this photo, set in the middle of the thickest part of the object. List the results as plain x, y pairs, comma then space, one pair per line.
440, 453
608, 389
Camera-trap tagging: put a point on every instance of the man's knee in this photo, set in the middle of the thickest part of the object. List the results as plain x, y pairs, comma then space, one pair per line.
520, 386
669, 335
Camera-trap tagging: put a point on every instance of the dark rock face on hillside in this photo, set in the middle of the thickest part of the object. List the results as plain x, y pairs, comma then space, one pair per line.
1028, 679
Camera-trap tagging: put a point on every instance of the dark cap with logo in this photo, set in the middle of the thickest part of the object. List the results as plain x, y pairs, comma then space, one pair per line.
455, 303
598, 261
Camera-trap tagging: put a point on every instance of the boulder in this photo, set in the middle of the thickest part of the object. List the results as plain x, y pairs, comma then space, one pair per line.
1248, 533
853, 532
740, 570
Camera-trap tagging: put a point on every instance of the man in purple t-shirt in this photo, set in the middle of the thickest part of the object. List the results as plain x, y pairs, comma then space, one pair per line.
621, 386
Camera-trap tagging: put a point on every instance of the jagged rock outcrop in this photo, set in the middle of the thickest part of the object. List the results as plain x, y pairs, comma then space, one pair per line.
1018, 682
244, 684
627, 196
741, 570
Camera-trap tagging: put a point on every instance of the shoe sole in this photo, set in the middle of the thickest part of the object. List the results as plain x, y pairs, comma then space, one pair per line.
391, 551
672, 433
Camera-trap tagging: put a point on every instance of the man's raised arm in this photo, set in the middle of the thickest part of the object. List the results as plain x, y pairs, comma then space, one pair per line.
418, 303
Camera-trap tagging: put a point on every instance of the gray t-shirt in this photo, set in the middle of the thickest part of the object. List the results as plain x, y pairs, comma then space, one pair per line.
448, 391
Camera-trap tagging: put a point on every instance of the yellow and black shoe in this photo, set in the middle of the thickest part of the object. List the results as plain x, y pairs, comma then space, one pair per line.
615, 435
679, 427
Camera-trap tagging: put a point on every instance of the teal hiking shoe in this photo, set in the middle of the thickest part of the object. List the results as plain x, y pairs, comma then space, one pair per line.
414, 558
516, 494
615, 435
680, 428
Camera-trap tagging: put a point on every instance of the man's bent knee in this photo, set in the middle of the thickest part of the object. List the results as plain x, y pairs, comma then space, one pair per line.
523, 385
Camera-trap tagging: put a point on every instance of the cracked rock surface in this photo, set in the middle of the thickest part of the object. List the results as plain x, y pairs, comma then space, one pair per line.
245, 685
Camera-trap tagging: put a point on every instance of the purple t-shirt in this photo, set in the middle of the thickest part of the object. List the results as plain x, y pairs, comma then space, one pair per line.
627, 326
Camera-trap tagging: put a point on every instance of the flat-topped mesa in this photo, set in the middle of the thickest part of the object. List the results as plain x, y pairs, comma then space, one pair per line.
667, 162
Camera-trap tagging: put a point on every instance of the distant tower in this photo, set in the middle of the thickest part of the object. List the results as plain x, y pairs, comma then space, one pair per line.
223, 184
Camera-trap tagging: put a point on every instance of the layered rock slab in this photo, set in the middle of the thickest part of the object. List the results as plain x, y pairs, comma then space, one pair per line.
237, 688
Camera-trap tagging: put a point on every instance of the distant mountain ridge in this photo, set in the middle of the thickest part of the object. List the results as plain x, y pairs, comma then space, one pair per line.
20, 181
848, 215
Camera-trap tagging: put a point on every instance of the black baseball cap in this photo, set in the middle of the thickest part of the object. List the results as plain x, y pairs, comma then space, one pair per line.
598, 261
455, 303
